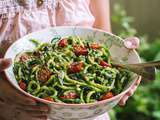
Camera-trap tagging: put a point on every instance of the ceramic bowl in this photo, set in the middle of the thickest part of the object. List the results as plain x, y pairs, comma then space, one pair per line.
61, 111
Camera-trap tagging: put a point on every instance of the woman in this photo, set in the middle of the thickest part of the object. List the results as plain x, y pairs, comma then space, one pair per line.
20, 17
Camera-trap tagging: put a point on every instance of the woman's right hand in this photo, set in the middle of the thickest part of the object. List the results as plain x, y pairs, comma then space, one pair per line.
14, 105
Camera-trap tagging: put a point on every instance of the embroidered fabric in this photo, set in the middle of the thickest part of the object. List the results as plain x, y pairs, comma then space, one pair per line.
9, 8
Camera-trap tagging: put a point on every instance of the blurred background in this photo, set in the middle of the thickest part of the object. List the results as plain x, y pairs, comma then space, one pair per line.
139, 18
145, 13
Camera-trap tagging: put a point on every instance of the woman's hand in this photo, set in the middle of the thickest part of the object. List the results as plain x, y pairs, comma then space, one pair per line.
131, 43
13, 104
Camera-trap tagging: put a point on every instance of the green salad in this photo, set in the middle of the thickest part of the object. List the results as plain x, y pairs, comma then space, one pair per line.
69, 70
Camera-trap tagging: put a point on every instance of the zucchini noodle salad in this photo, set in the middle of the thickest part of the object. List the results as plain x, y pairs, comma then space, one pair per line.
69, 70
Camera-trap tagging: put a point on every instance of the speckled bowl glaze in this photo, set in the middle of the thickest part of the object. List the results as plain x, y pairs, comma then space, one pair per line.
61, 111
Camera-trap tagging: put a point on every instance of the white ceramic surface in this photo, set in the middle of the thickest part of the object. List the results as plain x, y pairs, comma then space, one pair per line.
61, 111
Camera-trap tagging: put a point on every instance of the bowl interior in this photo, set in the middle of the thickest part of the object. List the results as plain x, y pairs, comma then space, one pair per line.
114, 43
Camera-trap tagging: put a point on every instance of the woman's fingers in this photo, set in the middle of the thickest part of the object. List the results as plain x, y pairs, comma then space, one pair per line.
14, 98
9, 94
24, 100
32, 112
40, 118
127, 95
21, 101
43, 108
35, 110
130, 93
132, 42
36, 113
138, 81
5, 63
123, 100
19, 114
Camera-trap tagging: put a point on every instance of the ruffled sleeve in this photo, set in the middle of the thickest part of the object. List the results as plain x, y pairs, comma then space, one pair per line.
19, 19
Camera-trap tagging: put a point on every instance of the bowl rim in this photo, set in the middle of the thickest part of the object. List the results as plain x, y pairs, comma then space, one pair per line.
120, 95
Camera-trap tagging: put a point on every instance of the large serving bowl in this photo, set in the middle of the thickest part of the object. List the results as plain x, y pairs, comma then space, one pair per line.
61, 111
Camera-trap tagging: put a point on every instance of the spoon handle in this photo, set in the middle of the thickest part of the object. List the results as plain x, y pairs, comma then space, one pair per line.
146, 70
149, 64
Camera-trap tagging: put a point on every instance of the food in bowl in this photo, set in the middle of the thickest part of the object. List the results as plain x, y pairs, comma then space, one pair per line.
67, 111
69, 70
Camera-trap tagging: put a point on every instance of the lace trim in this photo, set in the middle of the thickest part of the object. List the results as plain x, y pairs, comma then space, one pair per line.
9, 8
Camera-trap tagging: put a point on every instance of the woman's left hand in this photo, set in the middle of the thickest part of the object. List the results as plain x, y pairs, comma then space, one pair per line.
130, 43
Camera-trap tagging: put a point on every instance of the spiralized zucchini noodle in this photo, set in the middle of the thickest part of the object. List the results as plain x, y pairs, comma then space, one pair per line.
69, 70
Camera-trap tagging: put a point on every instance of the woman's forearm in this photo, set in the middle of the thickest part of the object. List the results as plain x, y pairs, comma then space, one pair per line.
101, 11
